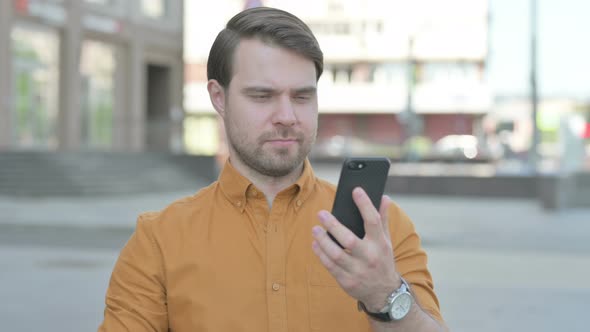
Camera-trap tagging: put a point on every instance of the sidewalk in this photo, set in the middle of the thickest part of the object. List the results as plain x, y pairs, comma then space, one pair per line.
441, 221
100, 211
495, 262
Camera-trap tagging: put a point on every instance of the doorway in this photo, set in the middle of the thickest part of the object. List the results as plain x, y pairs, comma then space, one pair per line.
157, 99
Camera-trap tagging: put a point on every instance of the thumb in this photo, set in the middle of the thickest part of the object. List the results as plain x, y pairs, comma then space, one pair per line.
370, 215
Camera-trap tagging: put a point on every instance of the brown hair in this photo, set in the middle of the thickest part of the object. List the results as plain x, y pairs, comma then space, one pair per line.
270, 25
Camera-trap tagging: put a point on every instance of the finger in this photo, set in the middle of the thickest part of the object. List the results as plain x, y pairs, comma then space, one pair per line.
371, 217
328, 263
331, 255
384, 212
341, 233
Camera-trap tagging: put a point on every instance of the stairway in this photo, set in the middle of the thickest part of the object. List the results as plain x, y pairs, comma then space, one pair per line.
101, 173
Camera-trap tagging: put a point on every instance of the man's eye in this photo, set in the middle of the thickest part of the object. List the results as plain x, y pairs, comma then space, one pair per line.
302, 98
260, 97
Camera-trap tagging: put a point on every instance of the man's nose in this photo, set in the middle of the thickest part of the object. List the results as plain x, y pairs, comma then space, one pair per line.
285, 112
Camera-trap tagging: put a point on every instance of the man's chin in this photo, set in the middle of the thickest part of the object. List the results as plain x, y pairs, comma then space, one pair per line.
281, 153
281, 165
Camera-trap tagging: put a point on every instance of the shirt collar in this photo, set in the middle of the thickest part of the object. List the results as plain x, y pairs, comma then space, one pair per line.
237, 187
305, 185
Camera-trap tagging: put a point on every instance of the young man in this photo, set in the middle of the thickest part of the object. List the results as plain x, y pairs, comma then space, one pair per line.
250, 252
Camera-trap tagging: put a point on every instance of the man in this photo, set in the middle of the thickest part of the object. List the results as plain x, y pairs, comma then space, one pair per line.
248, 253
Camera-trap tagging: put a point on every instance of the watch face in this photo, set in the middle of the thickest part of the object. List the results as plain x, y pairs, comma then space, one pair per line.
401, 306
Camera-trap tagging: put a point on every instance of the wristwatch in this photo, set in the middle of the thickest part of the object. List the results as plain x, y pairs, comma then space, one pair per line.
398, 305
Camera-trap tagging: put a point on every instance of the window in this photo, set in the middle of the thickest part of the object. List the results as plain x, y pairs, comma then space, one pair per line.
97, 70
201, 135
391, 73
155, 9
451, 73
35, 64
102, 2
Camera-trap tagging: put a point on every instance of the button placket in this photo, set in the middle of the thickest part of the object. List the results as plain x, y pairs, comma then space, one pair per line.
276, 260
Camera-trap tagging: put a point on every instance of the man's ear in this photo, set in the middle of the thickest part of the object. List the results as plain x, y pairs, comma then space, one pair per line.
217, 96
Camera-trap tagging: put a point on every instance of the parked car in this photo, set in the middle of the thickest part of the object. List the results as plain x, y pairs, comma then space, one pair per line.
343, 146
463, 148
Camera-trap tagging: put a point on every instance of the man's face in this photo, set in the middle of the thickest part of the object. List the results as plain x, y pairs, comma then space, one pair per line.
271, 108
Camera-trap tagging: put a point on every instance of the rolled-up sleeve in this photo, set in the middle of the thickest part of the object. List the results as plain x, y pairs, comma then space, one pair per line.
412, 262
136, 296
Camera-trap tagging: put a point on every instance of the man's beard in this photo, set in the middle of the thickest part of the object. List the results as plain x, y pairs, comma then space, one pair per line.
270, 161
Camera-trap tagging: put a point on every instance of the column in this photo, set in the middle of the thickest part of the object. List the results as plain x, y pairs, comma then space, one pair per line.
5, 75
70, 102
137, 83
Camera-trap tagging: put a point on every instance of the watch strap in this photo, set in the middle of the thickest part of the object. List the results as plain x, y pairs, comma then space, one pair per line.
385, 316
380, 316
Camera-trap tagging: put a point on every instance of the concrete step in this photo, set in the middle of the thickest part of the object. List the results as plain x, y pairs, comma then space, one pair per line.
84, 173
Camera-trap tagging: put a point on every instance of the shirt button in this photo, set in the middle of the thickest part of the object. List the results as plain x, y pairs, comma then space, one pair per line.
276, 287
299, 202
239, 204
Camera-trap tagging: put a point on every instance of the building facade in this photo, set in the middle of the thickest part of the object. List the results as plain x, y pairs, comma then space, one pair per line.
97, 75
393, 69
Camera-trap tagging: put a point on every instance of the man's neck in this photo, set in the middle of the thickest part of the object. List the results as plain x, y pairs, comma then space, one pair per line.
269, 185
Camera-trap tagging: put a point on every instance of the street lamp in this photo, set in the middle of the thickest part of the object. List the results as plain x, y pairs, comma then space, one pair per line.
533, 154
411, 120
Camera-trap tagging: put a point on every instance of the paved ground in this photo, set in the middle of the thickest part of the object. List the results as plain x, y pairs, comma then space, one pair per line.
499, 265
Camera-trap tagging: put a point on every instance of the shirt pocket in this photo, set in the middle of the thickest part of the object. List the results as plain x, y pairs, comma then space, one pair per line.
331, 309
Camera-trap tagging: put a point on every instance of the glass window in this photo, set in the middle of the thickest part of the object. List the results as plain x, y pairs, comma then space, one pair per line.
35, 62
155, 9
102, 2
110, 8
201, 135
448, 73
97, 70
391, 73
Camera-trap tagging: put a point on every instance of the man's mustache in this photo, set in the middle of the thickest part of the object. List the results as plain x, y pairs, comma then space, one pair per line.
282, 134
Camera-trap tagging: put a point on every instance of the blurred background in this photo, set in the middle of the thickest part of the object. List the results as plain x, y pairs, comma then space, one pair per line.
483, 106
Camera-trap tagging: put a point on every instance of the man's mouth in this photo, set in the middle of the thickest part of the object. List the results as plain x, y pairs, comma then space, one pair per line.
282, 142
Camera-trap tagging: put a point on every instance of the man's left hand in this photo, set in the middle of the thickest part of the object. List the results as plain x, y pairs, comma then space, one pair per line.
365, 268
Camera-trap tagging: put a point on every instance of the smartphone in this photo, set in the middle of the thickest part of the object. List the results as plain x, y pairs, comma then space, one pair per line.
367, 173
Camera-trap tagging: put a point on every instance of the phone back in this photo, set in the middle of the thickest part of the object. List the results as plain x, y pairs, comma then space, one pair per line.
367, 173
